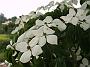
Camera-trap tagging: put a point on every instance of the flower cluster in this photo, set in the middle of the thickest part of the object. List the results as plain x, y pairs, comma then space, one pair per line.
31, 42
39, 35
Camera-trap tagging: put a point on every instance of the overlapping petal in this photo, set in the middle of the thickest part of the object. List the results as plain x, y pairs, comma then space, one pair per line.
52, 39
36, 50
22, 46
26, 56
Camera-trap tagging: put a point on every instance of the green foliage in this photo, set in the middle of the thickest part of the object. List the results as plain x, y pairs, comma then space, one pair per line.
4, 37
3, 45
2, 18
6, 29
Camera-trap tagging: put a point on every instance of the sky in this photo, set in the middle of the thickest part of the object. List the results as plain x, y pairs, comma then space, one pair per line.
17, 8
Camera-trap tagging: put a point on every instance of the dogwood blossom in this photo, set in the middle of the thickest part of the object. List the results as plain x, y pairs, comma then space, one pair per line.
85, 63
48, 8
77, 5
26, 35
21, 25
25, 18
44, 34
70, 18
75, 18
85, 4
85, 23
34, 14
59, 24
79, 57
18, 20
28, 51
48, 21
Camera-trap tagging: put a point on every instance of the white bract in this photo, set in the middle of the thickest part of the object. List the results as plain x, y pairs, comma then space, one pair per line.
48, 8
77, 18
59, 24
85, 63
25, 18
27, 34
85, 24
85, 4
21, 25
28, 50
79, 57
32, 14
48, 21
77, 5
18, 20
70, 18
44, 34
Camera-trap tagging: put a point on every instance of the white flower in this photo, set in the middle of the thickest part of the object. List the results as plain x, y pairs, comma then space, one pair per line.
48, 21
16, 30
26, 35
25, 18
41, 10
75, 18
28, 51
84, 5
79, 57
85, 63
32, 14
70, 18
38, 13
86, 23
85, 26
59, 1
59, 24
53, 8
62, 6
82, 14
77, 5
48, 8
18, 20
83, 19
44, 34
21, 25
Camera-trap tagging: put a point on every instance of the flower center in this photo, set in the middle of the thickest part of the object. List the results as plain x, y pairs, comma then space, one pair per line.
44, 34
84, 20
28, 47
45, 23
